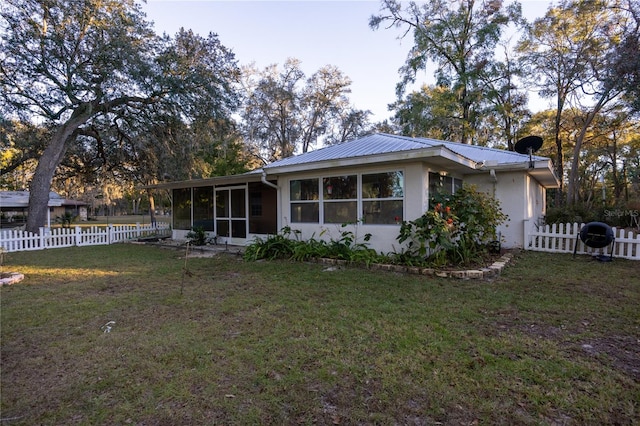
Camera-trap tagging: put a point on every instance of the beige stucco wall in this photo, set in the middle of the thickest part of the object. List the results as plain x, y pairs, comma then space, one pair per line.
383, 237
521, 198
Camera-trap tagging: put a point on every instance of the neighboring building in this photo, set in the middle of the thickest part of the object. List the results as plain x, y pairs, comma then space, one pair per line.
14, 206
374, 183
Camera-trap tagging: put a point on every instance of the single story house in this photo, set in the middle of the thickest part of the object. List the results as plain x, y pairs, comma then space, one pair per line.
14, 206
373, 183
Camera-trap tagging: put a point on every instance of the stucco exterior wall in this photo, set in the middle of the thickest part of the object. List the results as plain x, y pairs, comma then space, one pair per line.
383, 237
521, 198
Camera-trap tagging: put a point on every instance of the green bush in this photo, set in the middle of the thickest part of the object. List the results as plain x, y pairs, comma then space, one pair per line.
282, 246
66, 219
623, 214
197, 236
457, 229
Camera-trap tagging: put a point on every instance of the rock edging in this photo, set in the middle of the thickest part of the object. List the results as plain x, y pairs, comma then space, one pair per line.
491, 271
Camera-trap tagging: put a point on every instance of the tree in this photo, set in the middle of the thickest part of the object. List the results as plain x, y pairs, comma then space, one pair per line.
271, 113
602, 81
571, 53
71, 64
626, 57
286, 112
20, 146
505, 106
459, 37
349, 124
430, 112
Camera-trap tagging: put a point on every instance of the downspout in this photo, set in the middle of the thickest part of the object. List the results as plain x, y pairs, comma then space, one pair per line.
264, 180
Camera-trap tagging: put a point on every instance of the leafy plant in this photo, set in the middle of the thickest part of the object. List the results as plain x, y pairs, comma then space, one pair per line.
66, 219
279, 246
282, 246
457, 229
197, 236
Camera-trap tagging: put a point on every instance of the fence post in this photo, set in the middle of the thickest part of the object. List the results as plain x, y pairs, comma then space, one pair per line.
78, 236
43, 239
138, 231
109, 229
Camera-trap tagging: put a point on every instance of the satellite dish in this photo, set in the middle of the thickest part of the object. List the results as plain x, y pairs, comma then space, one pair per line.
529, 145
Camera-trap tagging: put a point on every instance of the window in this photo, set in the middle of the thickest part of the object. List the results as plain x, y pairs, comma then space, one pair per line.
182, 208
442, 184
336, 199
340, 199
255, 203
203, 208
383, 198
304, 196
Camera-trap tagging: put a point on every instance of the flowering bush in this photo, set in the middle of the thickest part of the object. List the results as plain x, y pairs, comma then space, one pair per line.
457, 229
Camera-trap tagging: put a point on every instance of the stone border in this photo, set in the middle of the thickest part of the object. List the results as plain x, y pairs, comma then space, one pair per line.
484, 273
14, 277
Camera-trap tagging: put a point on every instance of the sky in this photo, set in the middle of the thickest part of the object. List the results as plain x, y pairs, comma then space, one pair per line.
318, 33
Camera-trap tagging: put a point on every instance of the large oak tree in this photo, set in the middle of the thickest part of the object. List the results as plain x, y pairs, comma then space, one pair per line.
72, 66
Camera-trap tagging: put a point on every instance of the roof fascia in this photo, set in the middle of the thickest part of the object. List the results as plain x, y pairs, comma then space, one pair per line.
213, 181
400, 156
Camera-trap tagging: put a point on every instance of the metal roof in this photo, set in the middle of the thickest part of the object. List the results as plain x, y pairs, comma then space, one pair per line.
20, 199
381, 143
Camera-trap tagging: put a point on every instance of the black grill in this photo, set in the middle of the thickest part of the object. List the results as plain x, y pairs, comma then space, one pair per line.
597, 235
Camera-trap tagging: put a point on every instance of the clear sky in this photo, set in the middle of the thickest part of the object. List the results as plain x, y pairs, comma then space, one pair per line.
315, 32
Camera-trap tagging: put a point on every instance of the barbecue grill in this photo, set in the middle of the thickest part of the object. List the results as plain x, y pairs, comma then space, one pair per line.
597, 235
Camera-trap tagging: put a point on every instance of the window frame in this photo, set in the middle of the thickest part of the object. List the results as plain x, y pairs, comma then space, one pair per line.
339, 201
398, 218
359, 200
442, 187
302, 201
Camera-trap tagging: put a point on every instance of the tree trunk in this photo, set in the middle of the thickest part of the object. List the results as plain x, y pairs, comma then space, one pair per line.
572, 188
152, 207
47, 165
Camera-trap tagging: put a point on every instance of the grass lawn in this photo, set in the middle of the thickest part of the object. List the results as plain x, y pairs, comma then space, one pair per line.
554, 340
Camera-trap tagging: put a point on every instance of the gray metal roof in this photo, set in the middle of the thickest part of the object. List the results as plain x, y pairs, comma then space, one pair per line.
381, 143
20, 199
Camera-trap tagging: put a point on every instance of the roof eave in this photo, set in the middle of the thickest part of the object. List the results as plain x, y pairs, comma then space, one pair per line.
218, 180
390, 157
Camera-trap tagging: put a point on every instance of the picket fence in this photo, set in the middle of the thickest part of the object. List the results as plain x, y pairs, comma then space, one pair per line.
17, 240
562, 238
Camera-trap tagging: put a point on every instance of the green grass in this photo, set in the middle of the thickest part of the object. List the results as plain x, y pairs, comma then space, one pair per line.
554, 340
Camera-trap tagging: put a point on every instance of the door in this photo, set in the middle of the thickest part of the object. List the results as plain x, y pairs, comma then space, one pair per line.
231, 212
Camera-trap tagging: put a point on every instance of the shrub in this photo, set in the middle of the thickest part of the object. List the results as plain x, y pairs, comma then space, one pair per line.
279, 246
66, 219
458, 229
197, 236
282, 246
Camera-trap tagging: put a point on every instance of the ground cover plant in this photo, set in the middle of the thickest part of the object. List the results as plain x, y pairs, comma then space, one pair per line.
102, 335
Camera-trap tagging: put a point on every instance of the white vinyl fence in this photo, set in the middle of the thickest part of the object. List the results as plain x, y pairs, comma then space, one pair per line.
562, 238
14, 240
